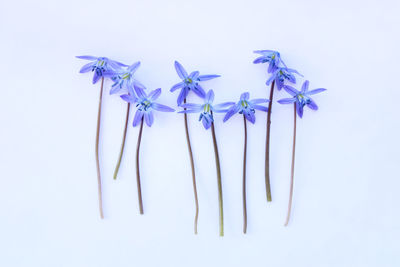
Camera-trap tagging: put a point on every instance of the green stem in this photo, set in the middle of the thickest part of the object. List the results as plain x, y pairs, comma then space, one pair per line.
123, 142
97, 152
221, 208
139, 189
267, 180
196, 200
292, 170
244, 177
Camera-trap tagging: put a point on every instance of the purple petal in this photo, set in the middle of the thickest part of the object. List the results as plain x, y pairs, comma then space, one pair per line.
194, 75
259, 60
149, 118
221, 108
153, 95
259, 107
287, 100
273, 76
161, 107
291, 90
182, 95
180, 70
312, 105
138, 117
132, 68
87, 57
198, 90
207, 77
96, 77
139, 91
115, 89
250, 117
316, 91
299, 108
304, 87
86, 67
258, 101
128, 98
196, 107
263, 52
206, 123
177, 86
232, 111
209, 97
244, 96
139, 84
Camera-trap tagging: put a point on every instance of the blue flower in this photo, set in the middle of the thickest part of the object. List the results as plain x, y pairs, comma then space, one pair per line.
102, 66
270, 56
206, 110
124, 79
145, 105
301, 98
190, 82
282, 74
246, 107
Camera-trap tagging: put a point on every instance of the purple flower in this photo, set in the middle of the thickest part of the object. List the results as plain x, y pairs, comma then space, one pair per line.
246, 107
282, 74
190, 82
301, 98
271, 57
145, 105
206, 109
124, 79
102, 66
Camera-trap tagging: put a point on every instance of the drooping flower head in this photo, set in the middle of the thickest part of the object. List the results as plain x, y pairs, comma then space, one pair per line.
301, 98
246, 107
282, 74
145, 105
190, 82
206, 110
101, 66
269, 56
124, 79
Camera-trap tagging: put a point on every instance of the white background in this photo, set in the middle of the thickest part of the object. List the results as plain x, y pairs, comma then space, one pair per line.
346, 197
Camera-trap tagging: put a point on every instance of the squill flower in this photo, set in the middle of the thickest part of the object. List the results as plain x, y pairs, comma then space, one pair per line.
269, 56
124, 79
206, 116
247, 108
190, 82
101, 66
279, 74
145, 105
300, 99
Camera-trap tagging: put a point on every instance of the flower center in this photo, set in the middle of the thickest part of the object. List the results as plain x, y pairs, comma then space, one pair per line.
144, 105
207, 108
244, 103
126, 76
188, 80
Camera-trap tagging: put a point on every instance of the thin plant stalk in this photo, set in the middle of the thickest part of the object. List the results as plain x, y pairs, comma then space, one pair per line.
292, 170
97, 152
123, 142
221, 208
267, 179
244, 177
196, 200
139, 189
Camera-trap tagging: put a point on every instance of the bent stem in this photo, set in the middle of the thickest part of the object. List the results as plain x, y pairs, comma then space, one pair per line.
196, 200
97, 152
123, 142
221, 208
267, 180
244, 177
137, 168
292, 171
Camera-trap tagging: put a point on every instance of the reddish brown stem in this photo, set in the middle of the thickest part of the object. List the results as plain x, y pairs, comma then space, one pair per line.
139, 188
267, 179
244, 177
97, 152
121, 153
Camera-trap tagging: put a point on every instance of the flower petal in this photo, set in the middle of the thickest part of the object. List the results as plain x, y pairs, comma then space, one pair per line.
149, 118
180, 70
250, 116
292, 91
221, 108
245, 96
206, 123
299, 109
259, 107
196, 107
194, 75
132, 68
182, 95
177, 86
209, 97
96, 77
304, 87
153, 95
312, 105
316, 91
86, 67
128, 98
287, 100
139, 91
208, 77
139, 84
258, 101
138, 117
161, 107
87, 57
198, 90
232, 111
273, 77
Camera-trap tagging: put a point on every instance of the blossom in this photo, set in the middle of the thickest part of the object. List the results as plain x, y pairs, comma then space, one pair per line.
246, 107
124, 79
282, 74
145, 104
206, 110
270, 56
190, 82
301, 98
102, 66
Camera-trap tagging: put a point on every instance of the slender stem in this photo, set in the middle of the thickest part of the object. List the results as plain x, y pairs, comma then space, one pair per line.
97, 152
123, 142
137, 168
196, 200
292, 170
244, 177
221, 208
267, 180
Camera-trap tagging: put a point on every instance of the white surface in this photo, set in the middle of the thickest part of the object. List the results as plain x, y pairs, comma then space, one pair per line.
346, 202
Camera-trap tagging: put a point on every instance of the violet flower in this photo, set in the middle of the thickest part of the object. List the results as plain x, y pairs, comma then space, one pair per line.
299, 99
280, 75
273, 58
101, 66
124, 79
145, 105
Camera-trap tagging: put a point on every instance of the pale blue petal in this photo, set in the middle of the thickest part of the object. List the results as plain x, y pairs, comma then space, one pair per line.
153, 95
149, 118
207, 77
245, 96
87, 57
292, 91
209, 97
316, 91
177, 86
180, 70
161, 107
287, 100
258, 101
87, 67
138, 117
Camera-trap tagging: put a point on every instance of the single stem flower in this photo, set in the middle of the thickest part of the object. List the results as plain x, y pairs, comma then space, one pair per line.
247, 108
206, 117
123, 80
145, 105
300, 99
269, 56
190, 82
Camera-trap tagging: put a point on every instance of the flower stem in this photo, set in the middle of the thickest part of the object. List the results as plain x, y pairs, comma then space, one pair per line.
221, 208
196, 200
244, 177
137, 168
267, 180
97, 152
292, 170
123, 142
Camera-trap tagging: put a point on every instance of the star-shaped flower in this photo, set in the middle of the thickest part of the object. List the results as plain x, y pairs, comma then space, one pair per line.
246, 107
